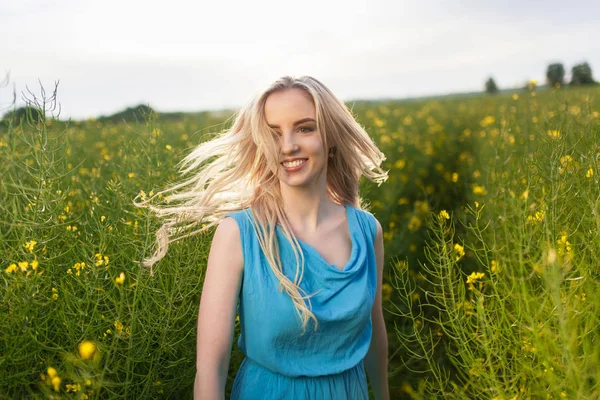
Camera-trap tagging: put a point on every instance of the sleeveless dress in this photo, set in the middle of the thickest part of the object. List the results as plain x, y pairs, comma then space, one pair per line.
279, 362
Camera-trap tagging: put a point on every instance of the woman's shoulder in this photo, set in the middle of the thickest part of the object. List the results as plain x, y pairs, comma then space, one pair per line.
240, 214
370, 220
242, 217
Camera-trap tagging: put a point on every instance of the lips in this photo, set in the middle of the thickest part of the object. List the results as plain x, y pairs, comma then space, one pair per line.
296, 164
293, 160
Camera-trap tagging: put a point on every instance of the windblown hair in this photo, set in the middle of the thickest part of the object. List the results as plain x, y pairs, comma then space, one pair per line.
238, 169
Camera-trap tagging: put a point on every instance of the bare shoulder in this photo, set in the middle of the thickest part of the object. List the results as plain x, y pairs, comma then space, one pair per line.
379, 230
226, 245
228, 227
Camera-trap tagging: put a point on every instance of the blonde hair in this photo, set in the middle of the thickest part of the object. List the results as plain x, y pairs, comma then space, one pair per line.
238, 169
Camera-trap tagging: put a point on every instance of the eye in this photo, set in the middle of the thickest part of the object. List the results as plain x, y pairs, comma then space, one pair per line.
306, 129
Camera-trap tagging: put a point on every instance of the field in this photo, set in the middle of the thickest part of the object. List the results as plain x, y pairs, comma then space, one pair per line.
491, 218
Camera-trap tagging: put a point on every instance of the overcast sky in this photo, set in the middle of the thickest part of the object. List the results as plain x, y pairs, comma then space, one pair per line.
196, 55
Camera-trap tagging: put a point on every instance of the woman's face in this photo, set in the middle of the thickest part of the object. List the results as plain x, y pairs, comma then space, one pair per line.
292, 115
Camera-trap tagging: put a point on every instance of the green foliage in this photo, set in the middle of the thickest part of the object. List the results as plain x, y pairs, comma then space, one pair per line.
130, 114
510, 306
581, 74
490, 86
68, 230
27, 114
555, 74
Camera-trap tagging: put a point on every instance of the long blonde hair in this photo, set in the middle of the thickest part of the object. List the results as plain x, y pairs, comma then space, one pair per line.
238, 169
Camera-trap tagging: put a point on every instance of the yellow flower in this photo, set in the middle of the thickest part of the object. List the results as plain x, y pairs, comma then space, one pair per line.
54, 294
454, 177
479, 190
102, 218
118, 326
73, 388
51, 372
131, 175
121, 278
564, 247
589, 173
34, 264
495, 266
87, 348
101, 260
539, 216
473, 278
11, 268
554, 133
56, 383
30, 245
414, 223
23, 265
444, 214
460, 251
487, 121
168, 147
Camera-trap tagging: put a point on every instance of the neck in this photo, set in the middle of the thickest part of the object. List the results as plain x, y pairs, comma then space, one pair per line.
307, 208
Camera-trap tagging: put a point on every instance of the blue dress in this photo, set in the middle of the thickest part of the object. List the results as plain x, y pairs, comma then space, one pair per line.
279, 362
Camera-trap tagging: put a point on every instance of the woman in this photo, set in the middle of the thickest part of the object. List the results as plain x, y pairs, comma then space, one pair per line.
287, 175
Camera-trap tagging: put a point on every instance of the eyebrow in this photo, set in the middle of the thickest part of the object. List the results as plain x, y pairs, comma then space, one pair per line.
300, 121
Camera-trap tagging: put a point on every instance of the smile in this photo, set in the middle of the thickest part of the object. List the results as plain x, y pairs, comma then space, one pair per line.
294, 165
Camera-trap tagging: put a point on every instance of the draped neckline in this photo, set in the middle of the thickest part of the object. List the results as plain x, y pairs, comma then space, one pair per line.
350, 217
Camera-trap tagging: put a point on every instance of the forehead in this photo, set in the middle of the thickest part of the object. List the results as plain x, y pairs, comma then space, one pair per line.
288, 106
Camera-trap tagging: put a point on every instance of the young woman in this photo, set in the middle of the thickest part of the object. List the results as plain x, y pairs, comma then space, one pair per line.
298, 251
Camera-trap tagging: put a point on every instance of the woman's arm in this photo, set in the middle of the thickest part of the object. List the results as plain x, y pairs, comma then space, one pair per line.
216, 316
376, 360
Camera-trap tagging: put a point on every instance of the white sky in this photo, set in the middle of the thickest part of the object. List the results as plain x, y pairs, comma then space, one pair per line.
192, 55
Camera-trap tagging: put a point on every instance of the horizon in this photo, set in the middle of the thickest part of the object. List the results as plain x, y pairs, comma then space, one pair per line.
542, 86
184, 59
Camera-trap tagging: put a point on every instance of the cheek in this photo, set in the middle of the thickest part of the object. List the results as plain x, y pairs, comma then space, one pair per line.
316, 148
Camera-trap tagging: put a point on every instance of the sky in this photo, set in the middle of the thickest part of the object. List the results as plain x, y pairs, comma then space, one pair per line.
196, 55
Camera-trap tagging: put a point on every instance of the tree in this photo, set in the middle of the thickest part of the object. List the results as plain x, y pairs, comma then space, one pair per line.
490, 86
130, 114
555, 74
24, 113
581, 74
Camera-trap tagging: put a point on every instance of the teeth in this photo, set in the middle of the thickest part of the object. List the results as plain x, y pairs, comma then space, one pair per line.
293, 164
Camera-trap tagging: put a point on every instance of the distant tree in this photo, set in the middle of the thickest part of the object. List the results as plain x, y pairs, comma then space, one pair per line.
581, 74
555, 74
490, 86
130, 114
23, 113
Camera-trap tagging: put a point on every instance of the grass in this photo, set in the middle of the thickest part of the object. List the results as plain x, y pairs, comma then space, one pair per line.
494, 298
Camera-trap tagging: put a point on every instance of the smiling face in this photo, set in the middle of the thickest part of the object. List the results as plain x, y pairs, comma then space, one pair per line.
292, 115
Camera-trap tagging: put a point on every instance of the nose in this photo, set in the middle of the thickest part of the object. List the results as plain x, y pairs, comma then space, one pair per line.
288, 143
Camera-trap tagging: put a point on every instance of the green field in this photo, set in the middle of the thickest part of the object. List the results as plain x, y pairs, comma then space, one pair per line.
491, 218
